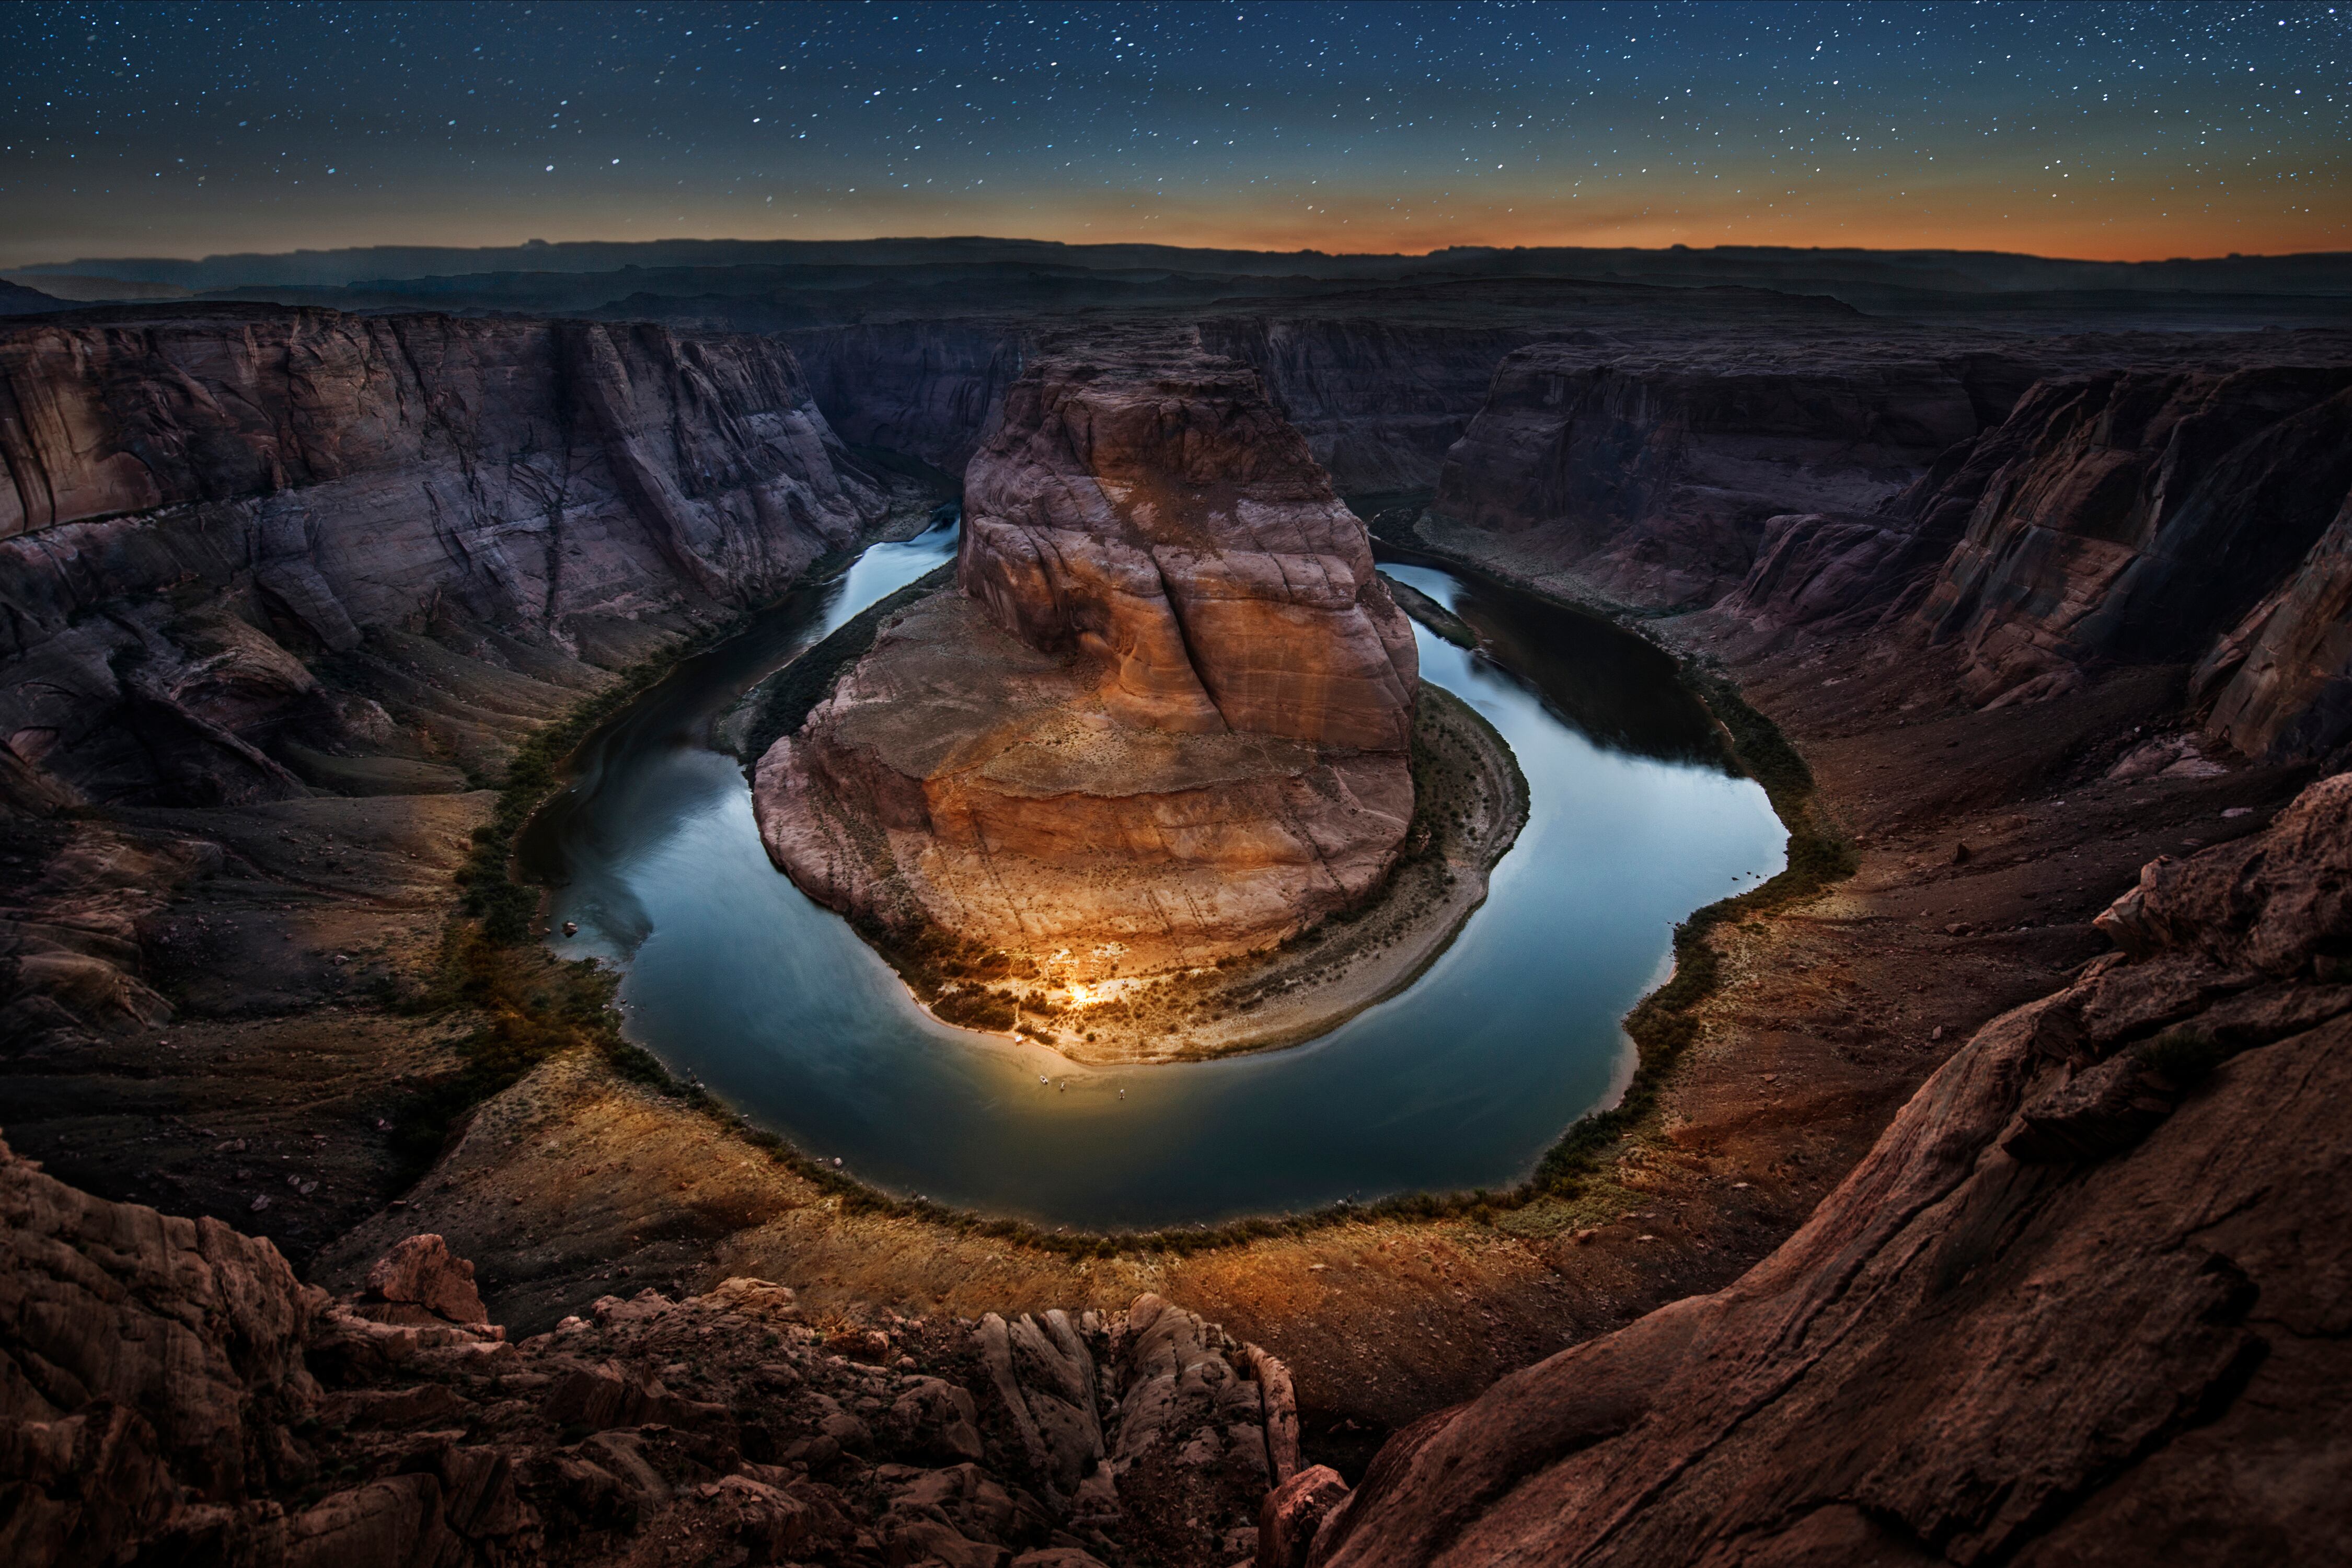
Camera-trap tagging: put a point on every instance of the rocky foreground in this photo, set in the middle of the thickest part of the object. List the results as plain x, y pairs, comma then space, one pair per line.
1164, 721
170, 1393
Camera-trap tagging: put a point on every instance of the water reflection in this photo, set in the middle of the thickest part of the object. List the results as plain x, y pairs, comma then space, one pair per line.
1460, 1081
1616, 688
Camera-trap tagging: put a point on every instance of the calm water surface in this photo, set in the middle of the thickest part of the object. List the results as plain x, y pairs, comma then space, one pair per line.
1460, 1081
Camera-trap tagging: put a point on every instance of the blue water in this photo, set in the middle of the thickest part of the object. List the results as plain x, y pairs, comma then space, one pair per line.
1460, 1081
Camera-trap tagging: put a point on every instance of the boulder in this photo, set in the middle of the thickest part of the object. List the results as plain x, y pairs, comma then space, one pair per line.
144, 1361
421, 1281
1294, 1512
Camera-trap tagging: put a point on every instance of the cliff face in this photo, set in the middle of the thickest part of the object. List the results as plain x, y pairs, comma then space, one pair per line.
1164, 721
191, 500
2153, 516
1163, 518
2077, 1306
1379, 402
266, 560
2282, 681
928, 389
2140, 515
1656, 471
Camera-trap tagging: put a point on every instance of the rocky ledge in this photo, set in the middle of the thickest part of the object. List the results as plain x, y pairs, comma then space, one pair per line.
169, 1392
1164, 722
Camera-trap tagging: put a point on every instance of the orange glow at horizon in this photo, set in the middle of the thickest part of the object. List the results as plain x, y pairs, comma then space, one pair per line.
2107, 230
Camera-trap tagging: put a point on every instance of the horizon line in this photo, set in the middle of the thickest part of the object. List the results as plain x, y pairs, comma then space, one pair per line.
211, 257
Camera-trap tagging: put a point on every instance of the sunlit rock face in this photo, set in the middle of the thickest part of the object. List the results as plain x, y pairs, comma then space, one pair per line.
1167, 716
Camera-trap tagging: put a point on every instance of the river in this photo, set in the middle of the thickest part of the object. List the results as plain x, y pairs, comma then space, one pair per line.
1460, 1082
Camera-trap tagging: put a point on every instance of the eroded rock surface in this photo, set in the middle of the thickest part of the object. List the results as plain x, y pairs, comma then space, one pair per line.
294, 585
2142, 515
1165, 720
1655, 465
169, 1392
2079, 1305
307, 484
2156, 516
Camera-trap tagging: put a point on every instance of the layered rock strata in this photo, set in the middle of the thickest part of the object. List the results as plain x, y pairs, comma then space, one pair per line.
2076, 1306
279, 591
1655, 467
1163, 721
2141, 515
2157, 516
301, 482
1380, 400
169, 1392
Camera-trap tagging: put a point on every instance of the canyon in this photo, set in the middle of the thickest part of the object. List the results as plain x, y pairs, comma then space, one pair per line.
1981, 1214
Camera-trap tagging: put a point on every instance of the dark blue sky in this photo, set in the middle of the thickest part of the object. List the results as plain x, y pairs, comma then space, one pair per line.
2103, 130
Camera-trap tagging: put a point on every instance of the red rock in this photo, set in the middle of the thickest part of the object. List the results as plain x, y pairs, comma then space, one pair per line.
1167, 721
1293, 1512
422, 1272
106, 1308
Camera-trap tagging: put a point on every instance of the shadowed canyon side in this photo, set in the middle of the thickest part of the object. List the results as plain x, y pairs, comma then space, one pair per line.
1164, 720
280, 592
196, 502
2153, 518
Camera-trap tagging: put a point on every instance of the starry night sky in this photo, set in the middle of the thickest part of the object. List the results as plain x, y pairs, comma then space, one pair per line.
2116, 131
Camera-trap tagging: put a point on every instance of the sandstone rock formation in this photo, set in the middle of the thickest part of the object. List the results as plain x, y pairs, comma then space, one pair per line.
926, 389
2079, 1305
147, 1363
2157, 516
1166, 718
1655, 466
252, 556
2141, 515
2281, 673
1379, 398
301, 481
168, 1392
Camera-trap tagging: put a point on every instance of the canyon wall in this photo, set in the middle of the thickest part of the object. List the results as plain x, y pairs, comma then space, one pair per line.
1655, 469
2078, 1306
1378, 400
2140, 515
928, 389
2046, 511
2150, 516
199, 506
300, 582
1164, 719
